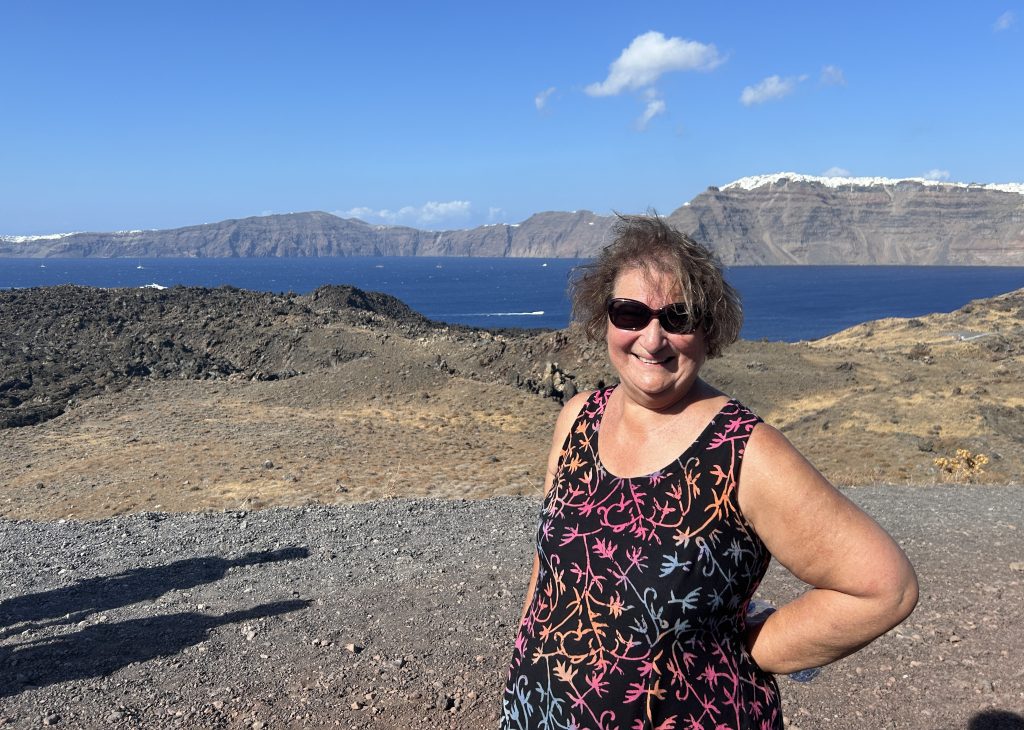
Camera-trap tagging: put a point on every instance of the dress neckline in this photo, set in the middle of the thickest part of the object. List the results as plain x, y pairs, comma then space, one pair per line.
700, 438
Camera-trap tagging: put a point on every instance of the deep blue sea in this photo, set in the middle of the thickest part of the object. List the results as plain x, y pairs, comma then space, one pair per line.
787, 303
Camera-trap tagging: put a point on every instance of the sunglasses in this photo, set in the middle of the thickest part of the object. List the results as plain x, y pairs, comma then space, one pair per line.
629, 314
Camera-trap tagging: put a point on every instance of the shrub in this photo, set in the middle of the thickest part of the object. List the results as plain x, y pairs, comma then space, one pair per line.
964, 466
921, 352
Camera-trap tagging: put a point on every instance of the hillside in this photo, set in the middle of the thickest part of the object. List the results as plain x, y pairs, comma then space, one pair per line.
576, 234
196, 398
793, 219
784, 219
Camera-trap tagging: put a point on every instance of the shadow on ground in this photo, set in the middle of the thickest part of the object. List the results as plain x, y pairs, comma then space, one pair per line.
95, 595
996, 720
101, 649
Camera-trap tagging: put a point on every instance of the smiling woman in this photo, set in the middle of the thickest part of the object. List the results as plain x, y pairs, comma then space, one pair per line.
651, 540
649, 246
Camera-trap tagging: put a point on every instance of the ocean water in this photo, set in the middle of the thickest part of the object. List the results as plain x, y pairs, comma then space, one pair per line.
787, 303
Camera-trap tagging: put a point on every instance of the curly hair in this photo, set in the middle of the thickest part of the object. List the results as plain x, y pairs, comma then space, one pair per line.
650, 244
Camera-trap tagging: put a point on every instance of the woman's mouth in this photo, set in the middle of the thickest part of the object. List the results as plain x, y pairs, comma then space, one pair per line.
649, 361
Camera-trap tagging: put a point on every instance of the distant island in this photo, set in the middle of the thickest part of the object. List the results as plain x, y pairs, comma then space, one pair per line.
779, 219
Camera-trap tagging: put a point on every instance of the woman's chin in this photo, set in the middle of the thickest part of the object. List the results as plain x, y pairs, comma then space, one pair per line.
656, 392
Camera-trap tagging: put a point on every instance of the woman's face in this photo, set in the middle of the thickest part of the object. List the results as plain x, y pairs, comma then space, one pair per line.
656, 368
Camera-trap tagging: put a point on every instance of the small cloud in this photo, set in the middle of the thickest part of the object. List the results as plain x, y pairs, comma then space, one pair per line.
649, 56
360, 212
832, 76
433, 212
771, 88
655, 106
1004, 21
494, 213
936, 175
541, 100
423, 215
836, 172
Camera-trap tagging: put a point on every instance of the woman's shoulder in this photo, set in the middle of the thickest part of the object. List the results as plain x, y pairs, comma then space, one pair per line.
572, 409
716, 405
737, 407
566, 418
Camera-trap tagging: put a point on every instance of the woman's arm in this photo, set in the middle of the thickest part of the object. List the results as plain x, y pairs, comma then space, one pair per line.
862, 583
565, 420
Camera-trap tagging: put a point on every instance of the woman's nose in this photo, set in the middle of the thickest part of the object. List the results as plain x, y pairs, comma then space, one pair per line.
652, 336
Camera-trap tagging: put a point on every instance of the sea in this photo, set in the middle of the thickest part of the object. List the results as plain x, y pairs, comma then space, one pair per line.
781, 303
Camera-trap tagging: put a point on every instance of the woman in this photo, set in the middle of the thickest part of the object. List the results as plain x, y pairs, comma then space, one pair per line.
652, 539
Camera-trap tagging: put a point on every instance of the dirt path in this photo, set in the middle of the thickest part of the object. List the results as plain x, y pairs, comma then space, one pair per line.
401, 614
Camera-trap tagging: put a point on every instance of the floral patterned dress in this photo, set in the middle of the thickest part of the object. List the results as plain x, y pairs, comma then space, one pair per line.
637, 619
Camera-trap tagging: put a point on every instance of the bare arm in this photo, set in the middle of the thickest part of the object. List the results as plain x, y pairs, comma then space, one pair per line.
565, 420
861, 582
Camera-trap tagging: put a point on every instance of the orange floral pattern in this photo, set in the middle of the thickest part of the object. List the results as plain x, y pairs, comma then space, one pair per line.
637, 619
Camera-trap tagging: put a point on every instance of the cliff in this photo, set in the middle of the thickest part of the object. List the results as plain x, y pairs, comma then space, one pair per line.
552, 234
792, 219
784, 218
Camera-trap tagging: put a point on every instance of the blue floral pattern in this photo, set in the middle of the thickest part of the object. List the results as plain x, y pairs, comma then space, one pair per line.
637, 619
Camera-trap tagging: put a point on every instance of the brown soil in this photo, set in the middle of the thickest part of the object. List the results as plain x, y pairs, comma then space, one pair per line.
878, 403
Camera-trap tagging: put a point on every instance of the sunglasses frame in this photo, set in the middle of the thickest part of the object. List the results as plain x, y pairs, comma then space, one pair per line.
693, 322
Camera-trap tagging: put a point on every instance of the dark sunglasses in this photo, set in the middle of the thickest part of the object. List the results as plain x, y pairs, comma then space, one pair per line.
629, 314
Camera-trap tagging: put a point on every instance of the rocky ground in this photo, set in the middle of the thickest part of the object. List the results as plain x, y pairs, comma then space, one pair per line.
191, 399
186, 536
401, 614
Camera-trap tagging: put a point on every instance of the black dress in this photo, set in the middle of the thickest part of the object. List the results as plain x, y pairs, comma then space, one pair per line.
636, 622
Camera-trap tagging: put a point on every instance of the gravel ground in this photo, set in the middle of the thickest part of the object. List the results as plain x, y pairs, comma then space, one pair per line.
401, 614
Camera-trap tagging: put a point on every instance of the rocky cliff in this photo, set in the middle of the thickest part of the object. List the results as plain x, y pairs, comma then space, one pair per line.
576, 234
794, 219
775, 219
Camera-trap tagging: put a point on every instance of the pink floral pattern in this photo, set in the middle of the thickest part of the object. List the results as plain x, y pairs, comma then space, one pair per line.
637, 619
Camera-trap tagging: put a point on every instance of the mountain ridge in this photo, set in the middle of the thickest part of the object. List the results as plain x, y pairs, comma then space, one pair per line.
777, 219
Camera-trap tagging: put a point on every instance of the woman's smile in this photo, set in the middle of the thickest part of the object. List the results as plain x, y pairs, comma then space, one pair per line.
657, 368
650, 361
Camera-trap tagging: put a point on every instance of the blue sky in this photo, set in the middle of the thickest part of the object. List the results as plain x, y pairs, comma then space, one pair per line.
131, 115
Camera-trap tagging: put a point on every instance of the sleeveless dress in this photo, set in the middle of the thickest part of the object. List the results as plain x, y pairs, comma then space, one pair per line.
636, 622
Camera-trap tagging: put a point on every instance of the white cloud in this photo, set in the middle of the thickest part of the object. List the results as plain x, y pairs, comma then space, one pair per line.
428, 214
833, 76
773, 87
433, 212
1004, 21
655, 106
541, 100
836, 172
648, 57
494, 213
936, 175
360, 212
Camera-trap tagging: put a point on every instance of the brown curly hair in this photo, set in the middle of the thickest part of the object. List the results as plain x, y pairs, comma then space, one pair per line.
650, 244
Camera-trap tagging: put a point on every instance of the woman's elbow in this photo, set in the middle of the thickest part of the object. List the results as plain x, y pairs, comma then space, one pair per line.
910, 594
901, 596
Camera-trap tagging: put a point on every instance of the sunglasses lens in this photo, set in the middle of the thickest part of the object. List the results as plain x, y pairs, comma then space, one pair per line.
676, 319
627, 315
